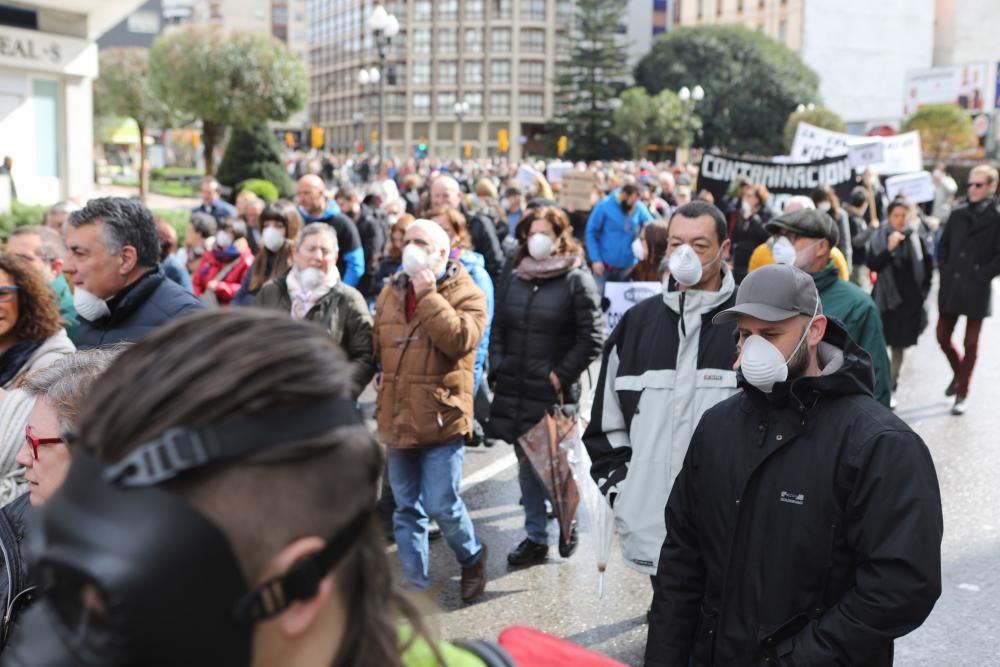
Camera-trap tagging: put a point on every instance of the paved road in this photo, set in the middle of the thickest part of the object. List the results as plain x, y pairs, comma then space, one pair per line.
561, 596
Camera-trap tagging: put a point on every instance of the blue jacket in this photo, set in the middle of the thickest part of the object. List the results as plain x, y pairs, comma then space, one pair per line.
146, 304
219, 210
173, 269
351, 259
475, 264
610, 234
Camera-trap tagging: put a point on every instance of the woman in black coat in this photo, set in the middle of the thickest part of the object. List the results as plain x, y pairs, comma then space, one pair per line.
547, 329
901, 257
746, 228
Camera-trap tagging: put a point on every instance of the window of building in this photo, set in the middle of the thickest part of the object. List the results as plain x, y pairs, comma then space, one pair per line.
448, 10
475, 102
474, 10
473, 40
500, 40
532, 104
422, 104
448, 73
421, 72
422, 40
500, 71
501, 9
533, 41
422, 10
446, 103
474, 72
395, 104
532, 10
447, 40
45, 101
532, 73
564, 12
500, 104
783, 32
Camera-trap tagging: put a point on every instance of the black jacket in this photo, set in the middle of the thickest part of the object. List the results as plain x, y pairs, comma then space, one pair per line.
373, 229
483, 234
969, 259
540, 326
146, 304
804, 528
16, 587
745, 235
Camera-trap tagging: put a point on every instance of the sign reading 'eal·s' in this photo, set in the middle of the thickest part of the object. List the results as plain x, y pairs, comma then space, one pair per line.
33, 50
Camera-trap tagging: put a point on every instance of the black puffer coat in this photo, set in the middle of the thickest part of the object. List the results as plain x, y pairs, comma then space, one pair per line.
16, 587
804, 528
540, 326
969, 259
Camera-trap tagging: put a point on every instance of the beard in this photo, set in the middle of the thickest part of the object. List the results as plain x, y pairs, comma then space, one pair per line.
799, 363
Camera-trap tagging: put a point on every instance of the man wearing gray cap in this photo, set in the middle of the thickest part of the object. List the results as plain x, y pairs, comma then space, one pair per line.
813, 235
805, 526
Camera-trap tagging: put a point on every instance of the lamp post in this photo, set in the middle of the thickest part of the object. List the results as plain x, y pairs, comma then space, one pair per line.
383, 27
689, 98
366, 79
805, 107
461, 109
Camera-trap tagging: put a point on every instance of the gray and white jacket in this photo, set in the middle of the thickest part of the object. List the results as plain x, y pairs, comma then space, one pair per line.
664, 365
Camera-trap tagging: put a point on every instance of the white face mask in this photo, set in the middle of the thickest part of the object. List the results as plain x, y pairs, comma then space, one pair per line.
414, 260
763, 365
783, 251
539, 245
804, 258
685, 266
824, 206
311, 278
746, 209
638, 249
272, 238
90, 307
223, 239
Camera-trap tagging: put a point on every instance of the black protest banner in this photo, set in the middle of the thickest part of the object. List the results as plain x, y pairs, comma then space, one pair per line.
783, 180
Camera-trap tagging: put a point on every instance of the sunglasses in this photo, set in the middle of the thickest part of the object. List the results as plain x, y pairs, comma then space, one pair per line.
977, 185
34, 441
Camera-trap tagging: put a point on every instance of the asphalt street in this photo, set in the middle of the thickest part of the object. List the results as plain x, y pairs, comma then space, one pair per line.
561, 596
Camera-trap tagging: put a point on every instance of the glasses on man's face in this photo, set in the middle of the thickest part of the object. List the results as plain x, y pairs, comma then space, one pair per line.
34, 441
977, 185
7, 293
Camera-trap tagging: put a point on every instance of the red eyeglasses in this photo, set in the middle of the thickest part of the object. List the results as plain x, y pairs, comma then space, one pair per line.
34, 441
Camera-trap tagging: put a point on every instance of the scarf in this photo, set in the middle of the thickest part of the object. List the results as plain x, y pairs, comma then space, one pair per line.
14, 359
886, 293
551, 267
303, 300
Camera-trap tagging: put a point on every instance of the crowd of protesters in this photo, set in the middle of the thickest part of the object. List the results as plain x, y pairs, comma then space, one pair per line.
467, 298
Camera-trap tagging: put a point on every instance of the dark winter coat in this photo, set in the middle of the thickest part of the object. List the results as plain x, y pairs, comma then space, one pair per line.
745, 235
541, 326
969, 259
143, 306
16, 587
373, 229
804, 528
483, 234
904, 280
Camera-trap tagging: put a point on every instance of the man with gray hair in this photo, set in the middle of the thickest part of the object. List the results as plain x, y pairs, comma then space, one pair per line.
114, 255
212, 203
43, 248
447, 193
55, 217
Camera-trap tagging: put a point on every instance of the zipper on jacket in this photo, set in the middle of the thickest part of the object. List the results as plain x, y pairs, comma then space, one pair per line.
683, 325
524, 341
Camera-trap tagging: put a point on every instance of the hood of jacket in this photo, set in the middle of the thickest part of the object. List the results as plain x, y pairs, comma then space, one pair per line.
826, 277
846, 369
331, 210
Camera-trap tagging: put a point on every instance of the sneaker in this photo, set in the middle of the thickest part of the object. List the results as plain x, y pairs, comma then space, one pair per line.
528, 553
568, 548
959, 408
474, 578
893, 403
433, 531
950, 391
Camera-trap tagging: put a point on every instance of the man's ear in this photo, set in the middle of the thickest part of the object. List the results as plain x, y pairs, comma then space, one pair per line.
296, 620
817, 331
130, 259
57, 267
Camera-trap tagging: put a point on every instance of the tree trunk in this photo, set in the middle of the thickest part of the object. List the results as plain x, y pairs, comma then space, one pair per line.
209, 134
143, 185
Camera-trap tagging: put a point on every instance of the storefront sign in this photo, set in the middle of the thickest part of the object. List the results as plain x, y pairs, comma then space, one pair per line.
41, 51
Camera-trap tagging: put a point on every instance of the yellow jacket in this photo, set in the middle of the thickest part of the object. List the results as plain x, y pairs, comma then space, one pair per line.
762, 257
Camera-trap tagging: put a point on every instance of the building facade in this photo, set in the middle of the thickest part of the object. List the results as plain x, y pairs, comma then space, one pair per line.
645, 21
497, 56
48, 62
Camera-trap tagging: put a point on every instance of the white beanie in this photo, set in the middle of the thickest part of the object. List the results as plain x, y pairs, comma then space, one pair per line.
439, 237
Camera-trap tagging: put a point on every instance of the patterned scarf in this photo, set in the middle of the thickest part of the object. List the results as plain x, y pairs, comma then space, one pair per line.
550, 267
303, 300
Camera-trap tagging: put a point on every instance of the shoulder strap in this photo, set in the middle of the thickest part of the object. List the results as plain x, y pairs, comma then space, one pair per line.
331, 308
227, 269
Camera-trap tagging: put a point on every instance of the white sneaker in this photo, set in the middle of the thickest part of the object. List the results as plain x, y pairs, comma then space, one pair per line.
959, 408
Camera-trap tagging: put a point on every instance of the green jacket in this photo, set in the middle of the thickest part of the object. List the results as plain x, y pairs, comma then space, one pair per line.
66, 308
418, 653
860, 316
343, 313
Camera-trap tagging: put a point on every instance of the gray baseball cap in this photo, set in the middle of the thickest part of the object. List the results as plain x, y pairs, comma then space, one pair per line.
774, 293
808, 222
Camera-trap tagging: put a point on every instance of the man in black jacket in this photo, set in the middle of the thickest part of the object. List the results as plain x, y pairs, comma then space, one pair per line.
114, 257
805, 526
969, 260
373, 228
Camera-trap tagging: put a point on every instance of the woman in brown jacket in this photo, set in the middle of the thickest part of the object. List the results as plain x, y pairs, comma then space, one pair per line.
428, 322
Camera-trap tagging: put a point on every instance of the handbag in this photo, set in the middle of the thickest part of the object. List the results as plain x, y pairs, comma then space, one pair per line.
208, 297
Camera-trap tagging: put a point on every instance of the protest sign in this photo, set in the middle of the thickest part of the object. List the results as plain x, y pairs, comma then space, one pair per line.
577, 186
555, 171
901, 153
623, 296
814, 143
864, 154
526, 177
917, 188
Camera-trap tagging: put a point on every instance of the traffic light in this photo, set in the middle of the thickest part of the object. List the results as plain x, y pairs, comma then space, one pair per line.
503, 140
317, 137
468, 150
421, 151
374, 137
289, 139
562, 145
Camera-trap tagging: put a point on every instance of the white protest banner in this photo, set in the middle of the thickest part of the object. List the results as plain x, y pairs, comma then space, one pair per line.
623, 296
814, 143
577, 186
864, 154
916, 188
526, 177
555, 171
901, 153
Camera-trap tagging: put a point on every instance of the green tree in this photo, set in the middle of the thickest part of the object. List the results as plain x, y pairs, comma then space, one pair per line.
818, 116
641, 120
123, 89
633, 119
252, 153
944, 129
751, 83
672, 122
590, 80
226, 78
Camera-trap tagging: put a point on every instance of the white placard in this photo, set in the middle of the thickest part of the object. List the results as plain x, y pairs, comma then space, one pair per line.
526, 177
901, 153
623, 296
814, 143
554, 172
917, 188
864, 154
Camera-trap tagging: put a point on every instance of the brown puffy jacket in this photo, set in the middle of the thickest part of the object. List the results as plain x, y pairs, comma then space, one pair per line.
427, 363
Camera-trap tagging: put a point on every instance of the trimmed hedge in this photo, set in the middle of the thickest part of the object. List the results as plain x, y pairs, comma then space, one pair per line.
25, 214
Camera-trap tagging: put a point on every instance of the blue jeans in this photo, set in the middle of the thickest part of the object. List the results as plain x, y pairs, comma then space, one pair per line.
533, 496
425, 482
610, 276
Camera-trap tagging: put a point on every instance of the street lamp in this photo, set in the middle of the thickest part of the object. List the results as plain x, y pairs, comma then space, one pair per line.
366, 78
383, 27
689, 98
461, 109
